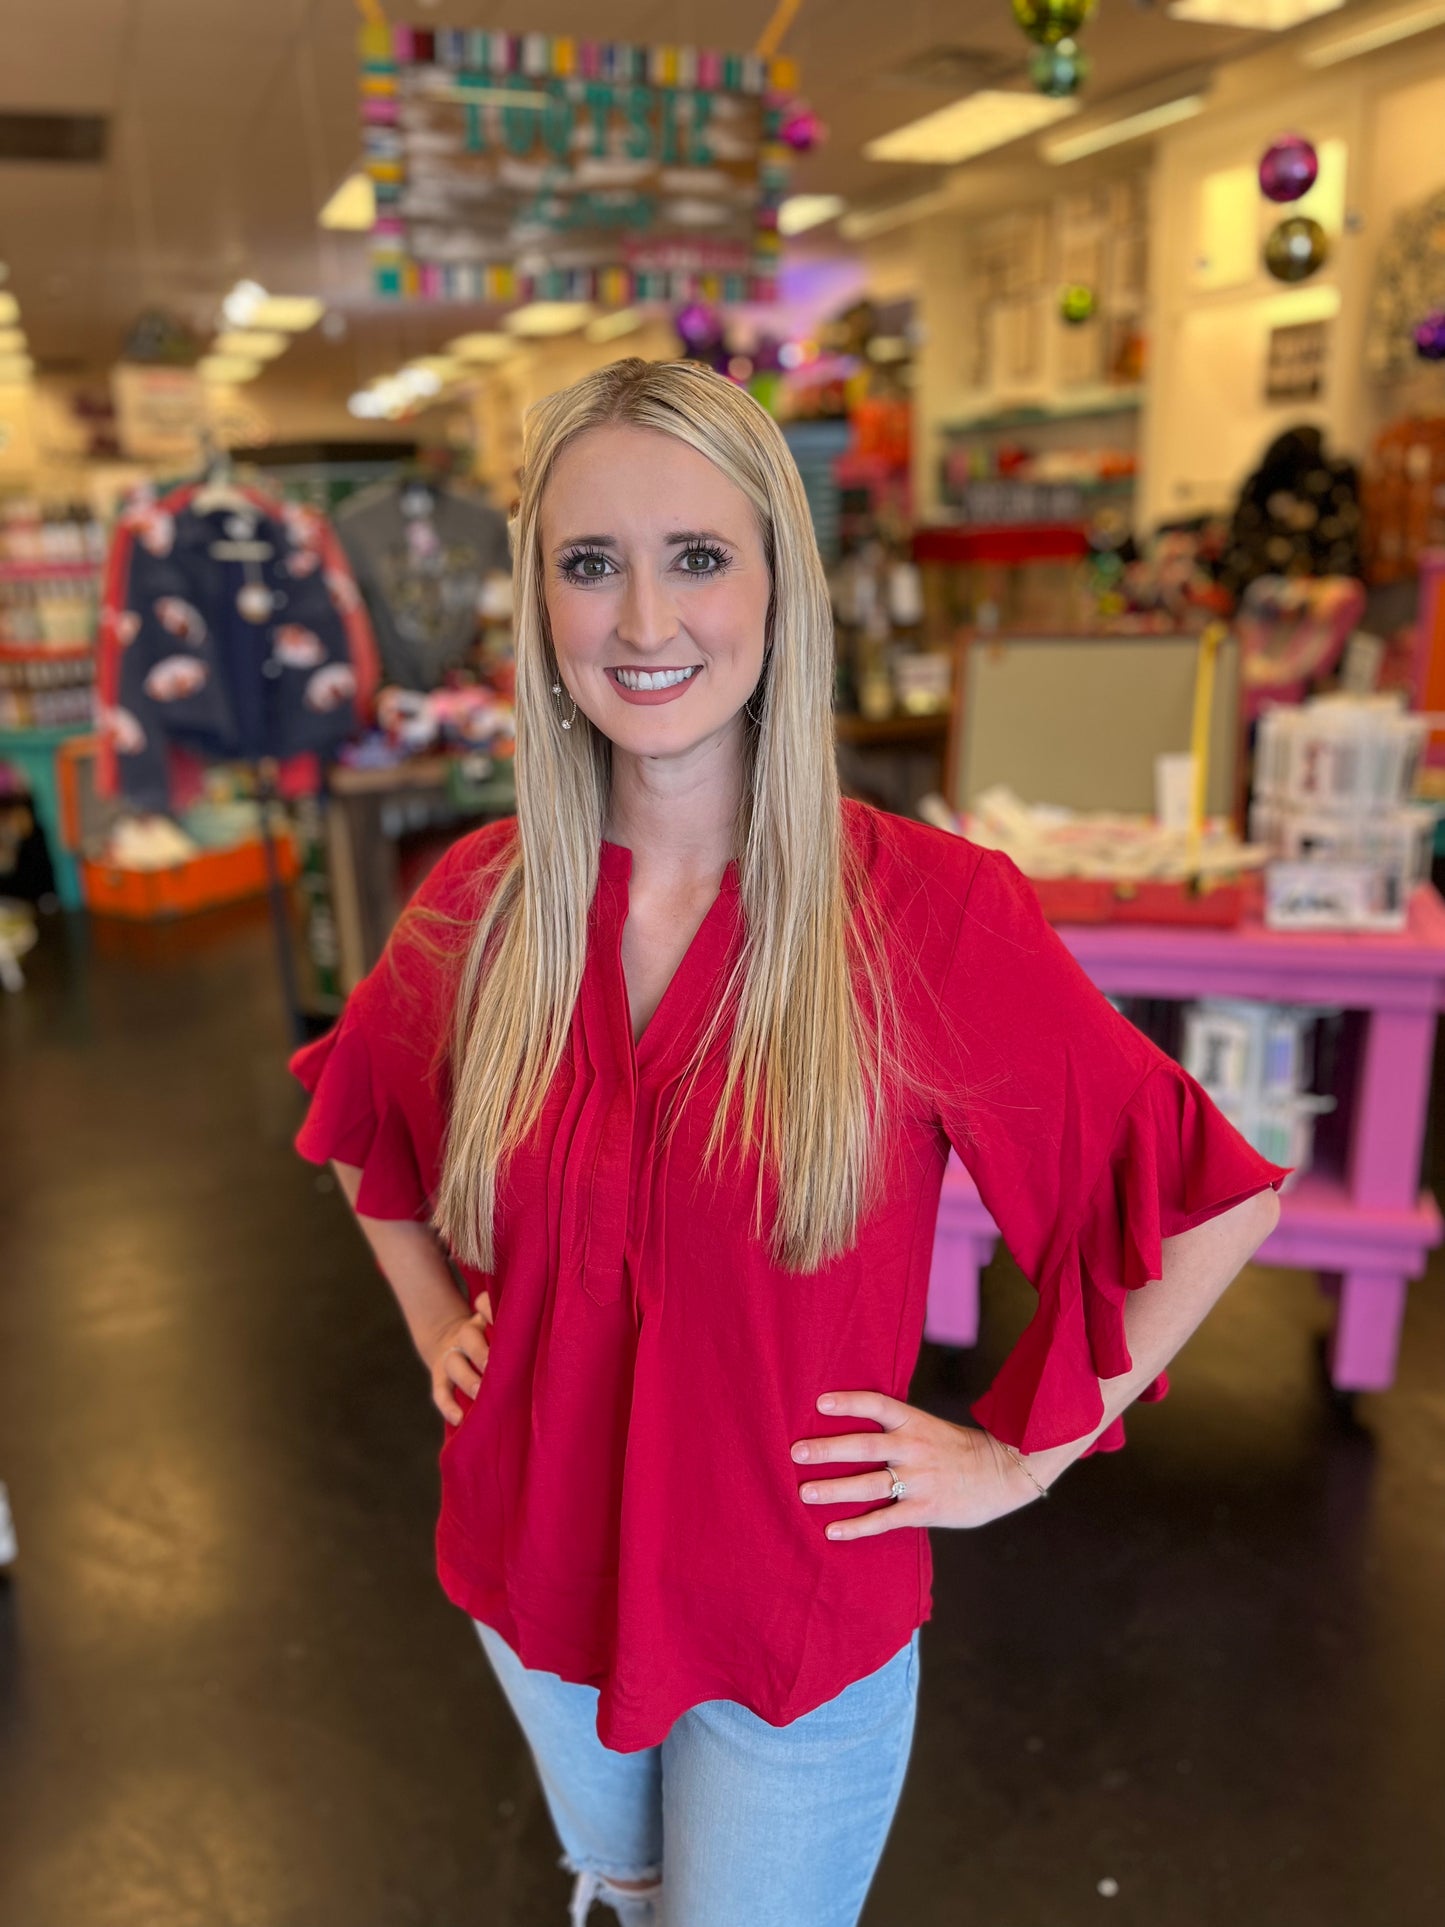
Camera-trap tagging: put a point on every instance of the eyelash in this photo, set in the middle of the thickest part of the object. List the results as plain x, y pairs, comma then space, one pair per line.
568, 566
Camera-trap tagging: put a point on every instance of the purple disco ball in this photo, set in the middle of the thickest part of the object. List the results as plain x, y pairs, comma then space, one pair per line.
1430, 337
699, 327
1288, 168
801, 129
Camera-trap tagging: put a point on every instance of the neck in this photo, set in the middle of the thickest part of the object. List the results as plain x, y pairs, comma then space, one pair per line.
678, 814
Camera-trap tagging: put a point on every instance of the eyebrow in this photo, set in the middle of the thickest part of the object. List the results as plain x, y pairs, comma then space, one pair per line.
673, 538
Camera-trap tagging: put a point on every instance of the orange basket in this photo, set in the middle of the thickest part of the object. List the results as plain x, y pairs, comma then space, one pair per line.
207, 881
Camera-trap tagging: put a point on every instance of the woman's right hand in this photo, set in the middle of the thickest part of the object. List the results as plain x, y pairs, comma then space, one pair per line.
456, 1356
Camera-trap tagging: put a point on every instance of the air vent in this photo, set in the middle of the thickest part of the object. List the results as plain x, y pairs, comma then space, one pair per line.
52, 137
958, 70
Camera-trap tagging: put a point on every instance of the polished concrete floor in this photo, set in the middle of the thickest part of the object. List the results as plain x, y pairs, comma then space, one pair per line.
1208, 1676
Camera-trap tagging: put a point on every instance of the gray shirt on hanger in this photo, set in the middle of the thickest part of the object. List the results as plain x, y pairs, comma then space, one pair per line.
420, 554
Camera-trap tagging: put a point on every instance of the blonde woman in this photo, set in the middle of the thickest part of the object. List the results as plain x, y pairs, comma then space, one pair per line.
670, 1067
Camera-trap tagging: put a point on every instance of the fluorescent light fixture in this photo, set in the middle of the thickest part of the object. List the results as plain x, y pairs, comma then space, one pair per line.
1378, 30
16, 368
227, 369
255, 344
444, 367
482, 347
12, 341
1264, 16
541, 318
982, 121
240, 305
1129, 127
802, 211
292, 313
862, 223
611, 327
352, 208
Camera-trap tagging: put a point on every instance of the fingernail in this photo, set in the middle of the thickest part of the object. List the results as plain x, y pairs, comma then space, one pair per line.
810, 1492
800, 1451
827, 1402
835, 1532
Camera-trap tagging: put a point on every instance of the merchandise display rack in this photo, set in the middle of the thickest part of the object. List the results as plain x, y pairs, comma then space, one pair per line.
1368, 1231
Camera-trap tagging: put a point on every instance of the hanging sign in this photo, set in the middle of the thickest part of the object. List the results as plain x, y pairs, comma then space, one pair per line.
524, 167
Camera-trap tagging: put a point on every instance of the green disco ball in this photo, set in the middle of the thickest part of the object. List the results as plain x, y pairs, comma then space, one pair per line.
1050, 21
1078, 304
1296, 249
1059, 71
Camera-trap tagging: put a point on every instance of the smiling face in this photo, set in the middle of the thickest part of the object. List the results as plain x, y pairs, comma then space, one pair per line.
657, 589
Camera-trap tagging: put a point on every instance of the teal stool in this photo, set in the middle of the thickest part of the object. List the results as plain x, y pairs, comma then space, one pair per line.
32, 752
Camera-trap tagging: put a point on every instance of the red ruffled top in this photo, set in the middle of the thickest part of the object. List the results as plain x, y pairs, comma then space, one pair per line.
620, 1502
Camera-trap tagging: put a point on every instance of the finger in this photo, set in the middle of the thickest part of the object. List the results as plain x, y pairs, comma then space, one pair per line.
868, 1525
862, 1446
482, 1305
445, 1401
863, 1485
889, 1412
463, 1372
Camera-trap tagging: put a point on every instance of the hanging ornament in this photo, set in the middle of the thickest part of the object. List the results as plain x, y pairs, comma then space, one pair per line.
801, 128
1047, 22
1296, 248
1288, 168
699, 328
1430, 337
1078, 304
1059, 71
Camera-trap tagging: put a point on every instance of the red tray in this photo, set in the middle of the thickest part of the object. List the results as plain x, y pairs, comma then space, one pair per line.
1093, 900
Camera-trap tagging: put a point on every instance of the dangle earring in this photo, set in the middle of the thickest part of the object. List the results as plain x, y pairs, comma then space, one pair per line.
567, 721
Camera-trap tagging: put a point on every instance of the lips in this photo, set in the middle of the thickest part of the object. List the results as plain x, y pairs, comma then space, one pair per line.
651, 686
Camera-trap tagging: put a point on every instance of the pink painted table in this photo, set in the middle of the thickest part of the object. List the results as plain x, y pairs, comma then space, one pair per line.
1368, 1232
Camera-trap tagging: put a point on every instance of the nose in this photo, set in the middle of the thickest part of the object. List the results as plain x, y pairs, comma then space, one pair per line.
647, 617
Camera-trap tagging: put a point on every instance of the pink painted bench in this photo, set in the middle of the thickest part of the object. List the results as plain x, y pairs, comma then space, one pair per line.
1367, 1233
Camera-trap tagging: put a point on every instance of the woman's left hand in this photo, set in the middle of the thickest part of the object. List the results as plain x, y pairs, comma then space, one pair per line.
956, 1475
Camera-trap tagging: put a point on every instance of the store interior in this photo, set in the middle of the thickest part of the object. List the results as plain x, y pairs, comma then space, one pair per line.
1109, 339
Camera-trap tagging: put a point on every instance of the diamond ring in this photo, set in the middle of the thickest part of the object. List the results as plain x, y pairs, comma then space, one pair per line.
899, 1488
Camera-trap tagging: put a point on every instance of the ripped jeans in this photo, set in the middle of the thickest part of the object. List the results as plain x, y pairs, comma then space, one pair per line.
754, 1825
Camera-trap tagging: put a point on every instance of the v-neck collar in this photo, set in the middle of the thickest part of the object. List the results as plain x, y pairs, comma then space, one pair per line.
696, 977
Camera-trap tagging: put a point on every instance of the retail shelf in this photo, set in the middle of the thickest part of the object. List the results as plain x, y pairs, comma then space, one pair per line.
1096, 406
50, 571
1005, 542
850, 727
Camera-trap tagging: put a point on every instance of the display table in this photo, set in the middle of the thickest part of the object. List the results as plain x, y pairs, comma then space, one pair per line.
33, 753
367, 812
1367, 1232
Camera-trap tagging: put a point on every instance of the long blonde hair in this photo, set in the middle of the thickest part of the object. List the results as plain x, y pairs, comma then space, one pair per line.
807, 1001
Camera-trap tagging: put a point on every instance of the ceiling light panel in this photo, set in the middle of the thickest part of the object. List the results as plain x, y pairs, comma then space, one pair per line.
1264, 16
352, 208
1378, 30
799, 212
975, 125
1129, 127
549, 318
611, 327
482, 347
292, 313
227, 369
256, 344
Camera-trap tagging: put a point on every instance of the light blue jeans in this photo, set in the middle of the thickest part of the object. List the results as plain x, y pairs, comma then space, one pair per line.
756, 1825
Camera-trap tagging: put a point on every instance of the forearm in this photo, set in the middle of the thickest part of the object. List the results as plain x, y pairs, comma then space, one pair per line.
1159, 1318
412, 1263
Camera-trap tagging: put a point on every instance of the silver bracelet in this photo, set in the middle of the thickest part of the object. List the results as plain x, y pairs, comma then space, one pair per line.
1043, 1490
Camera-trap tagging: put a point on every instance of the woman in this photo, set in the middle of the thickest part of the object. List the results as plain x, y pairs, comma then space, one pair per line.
671, 1065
